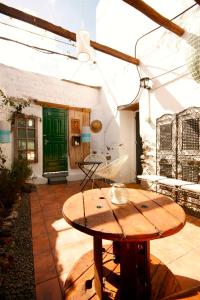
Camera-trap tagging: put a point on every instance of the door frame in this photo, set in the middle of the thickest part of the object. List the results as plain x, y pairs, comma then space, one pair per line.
66, 136
138, 148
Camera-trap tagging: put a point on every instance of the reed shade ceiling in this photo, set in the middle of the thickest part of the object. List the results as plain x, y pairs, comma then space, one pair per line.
22, 16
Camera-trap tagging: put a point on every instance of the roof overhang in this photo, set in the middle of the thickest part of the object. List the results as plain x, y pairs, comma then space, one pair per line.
130, 107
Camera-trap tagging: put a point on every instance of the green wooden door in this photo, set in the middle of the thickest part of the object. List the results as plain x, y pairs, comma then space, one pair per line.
54, 140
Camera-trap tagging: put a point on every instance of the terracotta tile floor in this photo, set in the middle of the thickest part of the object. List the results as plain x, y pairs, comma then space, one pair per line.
57, 246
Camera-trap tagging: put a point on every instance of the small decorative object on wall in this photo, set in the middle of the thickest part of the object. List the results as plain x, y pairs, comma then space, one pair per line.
4, 132
96, 126
75, 126
85, 134
76, 140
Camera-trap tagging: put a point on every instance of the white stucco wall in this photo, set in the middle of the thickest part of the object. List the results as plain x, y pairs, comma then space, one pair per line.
24, 84
164, 58
127, 131
159, 52
17, 83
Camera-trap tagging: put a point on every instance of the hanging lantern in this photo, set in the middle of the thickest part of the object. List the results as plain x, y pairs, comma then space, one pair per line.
146, 83
83, 46
4, 132
85, 134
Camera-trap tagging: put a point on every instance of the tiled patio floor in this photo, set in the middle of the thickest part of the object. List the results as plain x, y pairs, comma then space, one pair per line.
57, 246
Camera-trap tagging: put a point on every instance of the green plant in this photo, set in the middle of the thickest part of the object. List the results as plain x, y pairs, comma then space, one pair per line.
2, 159
13, 102
8, 189
7, 246
20, 171
11, 183
6, 184
12, 180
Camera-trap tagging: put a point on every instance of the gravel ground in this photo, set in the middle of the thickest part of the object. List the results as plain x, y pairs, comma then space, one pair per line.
18, 282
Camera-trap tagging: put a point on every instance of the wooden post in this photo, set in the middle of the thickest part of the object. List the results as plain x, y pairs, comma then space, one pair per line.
135, 271
116, 251
98, 267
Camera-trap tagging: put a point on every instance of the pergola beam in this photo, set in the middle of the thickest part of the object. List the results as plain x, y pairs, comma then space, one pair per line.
155, 16
22, 16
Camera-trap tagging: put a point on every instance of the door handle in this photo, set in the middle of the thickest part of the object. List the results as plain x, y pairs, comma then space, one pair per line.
45, 142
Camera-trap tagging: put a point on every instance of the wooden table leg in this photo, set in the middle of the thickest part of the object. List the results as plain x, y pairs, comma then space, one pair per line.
98, 266
135, 271
116, 251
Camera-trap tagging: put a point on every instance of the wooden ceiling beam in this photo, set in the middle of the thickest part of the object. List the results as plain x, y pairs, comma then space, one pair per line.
63, 106
22, 16
129, 107
197, 1
155, 16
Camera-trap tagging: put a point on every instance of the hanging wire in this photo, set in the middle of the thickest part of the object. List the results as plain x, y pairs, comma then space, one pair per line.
43, 50
76, 71
147, 33
171, 81
38, 34
114, 115
167, 72
138, 67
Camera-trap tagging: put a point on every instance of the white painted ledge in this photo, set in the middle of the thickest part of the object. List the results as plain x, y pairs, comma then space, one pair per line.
75, 174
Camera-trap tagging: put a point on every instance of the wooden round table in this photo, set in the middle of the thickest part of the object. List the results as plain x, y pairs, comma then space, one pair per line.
145, 217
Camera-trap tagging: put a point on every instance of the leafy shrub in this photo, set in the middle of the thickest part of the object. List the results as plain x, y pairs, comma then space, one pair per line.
2, 159
8, 190
16, 104
11, 181
20, 171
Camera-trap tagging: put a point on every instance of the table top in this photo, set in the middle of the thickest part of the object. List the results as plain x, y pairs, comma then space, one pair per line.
146, 216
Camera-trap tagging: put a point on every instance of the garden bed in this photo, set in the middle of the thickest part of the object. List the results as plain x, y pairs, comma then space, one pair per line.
17, 274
